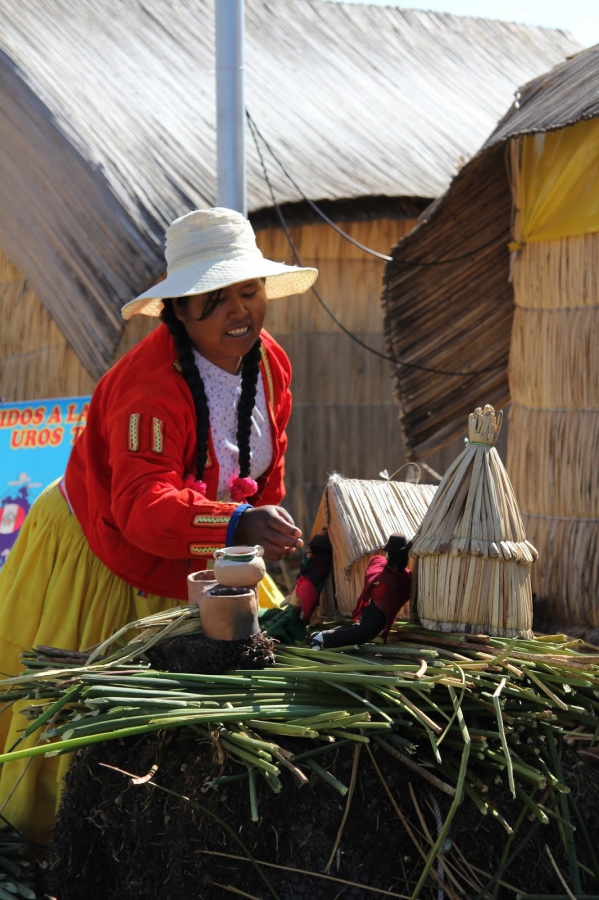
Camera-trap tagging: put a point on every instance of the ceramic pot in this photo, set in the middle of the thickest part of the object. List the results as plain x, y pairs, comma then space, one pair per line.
198, 584
229, 614
239, 566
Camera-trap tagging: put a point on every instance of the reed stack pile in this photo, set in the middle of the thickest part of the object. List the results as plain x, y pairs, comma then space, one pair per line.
423, 699
473, 570
359, 516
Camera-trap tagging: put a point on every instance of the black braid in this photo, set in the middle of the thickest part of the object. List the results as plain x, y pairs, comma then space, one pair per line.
190, 372
249, 380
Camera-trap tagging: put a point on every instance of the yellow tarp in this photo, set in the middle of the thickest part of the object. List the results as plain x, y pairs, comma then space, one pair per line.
559, 183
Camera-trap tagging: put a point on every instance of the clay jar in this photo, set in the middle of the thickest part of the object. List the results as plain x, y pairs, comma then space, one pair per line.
198, 585
224, 616
229, 617
239, 566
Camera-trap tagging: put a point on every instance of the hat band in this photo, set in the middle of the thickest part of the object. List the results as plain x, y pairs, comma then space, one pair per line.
206, 260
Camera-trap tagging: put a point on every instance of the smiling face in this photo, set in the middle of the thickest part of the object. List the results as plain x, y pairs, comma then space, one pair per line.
233, 326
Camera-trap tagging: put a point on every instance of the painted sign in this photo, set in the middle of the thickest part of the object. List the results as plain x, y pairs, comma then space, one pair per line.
36, 437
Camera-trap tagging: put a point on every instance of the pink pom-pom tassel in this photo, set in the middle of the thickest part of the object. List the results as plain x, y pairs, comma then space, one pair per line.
190, 482
242, 488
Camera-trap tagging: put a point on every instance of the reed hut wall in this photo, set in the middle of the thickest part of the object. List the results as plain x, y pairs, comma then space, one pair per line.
548, 296
448, 299
115, 99
36, 360
552, 449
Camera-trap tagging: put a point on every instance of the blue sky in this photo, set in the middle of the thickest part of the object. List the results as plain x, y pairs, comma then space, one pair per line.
579, 17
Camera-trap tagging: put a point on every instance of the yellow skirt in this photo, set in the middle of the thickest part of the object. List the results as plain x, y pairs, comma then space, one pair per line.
55, 592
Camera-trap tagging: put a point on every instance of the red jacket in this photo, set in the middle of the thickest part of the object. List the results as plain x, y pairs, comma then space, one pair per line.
125, 477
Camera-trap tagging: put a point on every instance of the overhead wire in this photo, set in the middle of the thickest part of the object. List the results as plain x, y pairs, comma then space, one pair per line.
348, 237
393, 359
310, 202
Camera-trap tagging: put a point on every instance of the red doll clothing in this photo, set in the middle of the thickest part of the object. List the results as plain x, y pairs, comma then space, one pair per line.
314, 571
387, 588
128, 478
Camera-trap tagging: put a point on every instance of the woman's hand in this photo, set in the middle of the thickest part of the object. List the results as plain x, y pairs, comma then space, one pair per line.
272, 527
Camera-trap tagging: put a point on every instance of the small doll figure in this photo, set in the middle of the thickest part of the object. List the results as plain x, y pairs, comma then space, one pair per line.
313, 573
386, 590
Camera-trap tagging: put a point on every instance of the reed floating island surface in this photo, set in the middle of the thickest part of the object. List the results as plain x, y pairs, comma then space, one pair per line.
465, 715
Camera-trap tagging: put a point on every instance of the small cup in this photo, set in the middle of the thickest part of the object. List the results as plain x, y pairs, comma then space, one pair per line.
239, 566
239, 554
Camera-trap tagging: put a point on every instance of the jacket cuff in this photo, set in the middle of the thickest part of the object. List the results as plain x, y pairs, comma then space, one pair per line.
234, 522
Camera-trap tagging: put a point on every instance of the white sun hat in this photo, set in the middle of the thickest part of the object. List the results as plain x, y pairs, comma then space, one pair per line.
209, 249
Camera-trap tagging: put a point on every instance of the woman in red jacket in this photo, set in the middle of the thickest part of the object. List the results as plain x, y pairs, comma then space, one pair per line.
183, 453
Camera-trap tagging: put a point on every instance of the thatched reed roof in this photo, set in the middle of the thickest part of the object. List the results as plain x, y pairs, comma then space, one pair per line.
359, 516
457, 316
362, 514
107, 120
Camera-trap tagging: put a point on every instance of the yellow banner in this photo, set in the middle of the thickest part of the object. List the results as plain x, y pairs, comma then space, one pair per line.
559, 184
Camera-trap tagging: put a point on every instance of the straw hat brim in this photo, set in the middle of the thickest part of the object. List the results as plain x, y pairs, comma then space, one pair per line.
281, 281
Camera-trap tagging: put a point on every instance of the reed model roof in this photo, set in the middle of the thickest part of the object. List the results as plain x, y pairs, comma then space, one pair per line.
107, 119
447, 301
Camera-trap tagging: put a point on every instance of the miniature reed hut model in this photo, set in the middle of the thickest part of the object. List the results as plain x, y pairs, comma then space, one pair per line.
358, 517
473, 557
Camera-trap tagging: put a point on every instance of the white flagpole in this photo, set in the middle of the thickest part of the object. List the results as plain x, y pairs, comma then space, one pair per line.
230, 105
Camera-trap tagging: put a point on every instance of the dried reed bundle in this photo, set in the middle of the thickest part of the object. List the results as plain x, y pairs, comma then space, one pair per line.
360, 516
554, 381
473, 557
553, 358
552, 459
568, 579
558, 274
35, 358
348, 279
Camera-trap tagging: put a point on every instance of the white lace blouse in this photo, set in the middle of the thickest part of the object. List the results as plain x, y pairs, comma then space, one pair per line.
223, 391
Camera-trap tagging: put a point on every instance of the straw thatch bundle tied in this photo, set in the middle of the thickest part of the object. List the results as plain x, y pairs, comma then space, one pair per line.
473, 557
